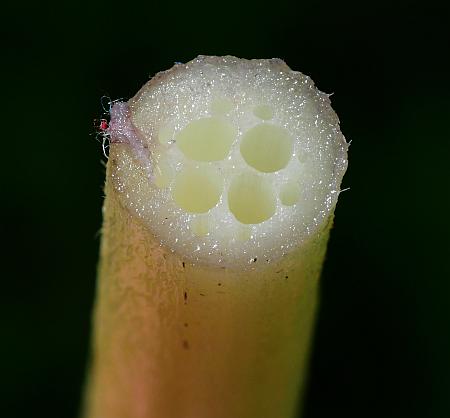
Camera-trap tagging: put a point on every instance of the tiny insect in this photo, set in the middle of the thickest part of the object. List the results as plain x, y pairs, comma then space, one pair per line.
103, 126
102, 133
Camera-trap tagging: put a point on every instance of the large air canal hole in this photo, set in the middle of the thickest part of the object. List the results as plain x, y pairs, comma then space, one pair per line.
266, 147
197, 190
251, 199
206, 139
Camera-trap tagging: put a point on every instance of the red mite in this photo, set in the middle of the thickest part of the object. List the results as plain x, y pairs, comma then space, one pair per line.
103, 125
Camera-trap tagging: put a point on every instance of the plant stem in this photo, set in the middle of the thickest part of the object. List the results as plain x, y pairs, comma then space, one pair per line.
174, 339
220, 190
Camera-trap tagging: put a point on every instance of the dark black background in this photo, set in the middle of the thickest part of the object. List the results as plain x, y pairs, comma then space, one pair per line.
382, 346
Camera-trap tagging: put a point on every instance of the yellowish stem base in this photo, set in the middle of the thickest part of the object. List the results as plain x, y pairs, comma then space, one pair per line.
176, 340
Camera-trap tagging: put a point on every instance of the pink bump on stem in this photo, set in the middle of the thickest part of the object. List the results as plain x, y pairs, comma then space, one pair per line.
122, 131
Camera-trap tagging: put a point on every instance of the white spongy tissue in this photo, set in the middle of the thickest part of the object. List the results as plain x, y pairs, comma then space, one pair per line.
228, 160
